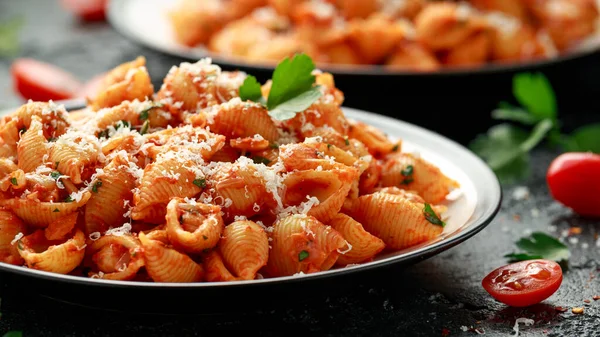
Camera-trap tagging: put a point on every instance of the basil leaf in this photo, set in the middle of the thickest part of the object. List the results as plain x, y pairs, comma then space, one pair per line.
288, 109
540, 245
200, 183
250, 90
534, 92
584, 139
302, 255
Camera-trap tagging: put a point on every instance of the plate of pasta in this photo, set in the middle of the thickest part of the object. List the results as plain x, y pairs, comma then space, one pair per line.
215, 179
366, 37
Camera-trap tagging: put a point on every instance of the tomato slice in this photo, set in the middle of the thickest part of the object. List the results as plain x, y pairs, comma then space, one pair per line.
574, 180
41, 81
524, 283
87, 10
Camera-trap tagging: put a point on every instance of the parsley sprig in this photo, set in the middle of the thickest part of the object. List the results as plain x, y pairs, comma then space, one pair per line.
292, 88
505, 147
540, 246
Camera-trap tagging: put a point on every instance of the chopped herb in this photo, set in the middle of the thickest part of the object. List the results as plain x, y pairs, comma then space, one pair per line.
13, 181
56, 164
205, 237
69, 199
55, 174
19, 245
103, 134
200, 183
52, 139
540, 246
274, 145
56, 210
431, 216
145, 127
251, 90
122, 123
395, 148
346, 141
96, 186
407, 172
261, 160
328, 146
144, 114
134, 254
302, 255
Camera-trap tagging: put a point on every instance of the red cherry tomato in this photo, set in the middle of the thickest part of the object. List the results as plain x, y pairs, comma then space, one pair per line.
41, 81
574, 180
87, 10
524, 283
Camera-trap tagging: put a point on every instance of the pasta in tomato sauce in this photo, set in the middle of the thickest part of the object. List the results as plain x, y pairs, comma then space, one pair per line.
193, 184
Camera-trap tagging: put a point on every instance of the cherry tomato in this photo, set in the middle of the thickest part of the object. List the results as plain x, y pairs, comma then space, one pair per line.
574, 180
41, 81
87, 10
524, 283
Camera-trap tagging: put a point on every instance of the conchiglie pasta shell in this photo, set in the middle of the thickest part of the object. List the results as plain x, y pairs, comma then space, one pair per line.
397, 221
215, 268
244, 189
427, 180
32, 147
375, 140
330, 187
320, 246
57, 230
323, 112
165, 264
204, 219
131, 248
59, 258
54, 117
9, 136
122, 112
106, 207
363, 245
136, 85
156, 188
238, 119
41, 214
74, 154
10, 226
245, 248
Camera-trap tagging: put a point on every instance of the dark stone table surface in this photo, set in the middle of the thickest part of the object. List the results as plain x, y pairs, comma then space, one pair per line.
439, 296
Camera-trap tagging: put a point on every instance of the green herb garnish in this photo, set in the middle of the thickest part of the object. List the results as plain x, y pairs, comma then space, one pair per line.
145, 127
274, 145
540, 246
205, 237
144, 114
407, 173
96, 185
56, 210
261, 160
346, 141
69, 199
13, 181
13, 334
431, 216
292, 89
302, 255
55, 174
200, 183
395, 148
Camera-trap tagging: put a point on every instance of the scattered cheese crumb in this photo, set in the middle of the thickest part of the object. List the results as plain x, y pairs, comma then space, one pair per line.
523, 320
95, 236
520, 193
18, 237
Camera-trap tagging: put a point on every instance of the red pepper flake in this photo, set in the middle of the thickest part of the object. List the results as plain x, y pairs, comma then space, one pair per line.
561, 309
596, 297
574, 230
445, 332
587, 301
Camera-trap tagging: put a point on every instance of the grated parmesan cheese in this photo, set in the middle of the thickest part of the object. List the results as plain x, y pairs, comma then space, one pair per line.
119, 231
95, 236
523, 320
18, 237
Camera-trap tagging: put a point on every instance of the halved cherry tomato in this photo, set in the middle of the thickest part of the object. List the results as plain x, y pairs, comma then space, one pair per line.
87, 10
524, 283
41, 81
574, 180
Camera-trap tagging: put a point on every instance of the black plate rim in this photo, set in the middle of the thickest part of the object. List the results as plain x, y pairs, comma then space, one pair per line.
483, 221
118, 22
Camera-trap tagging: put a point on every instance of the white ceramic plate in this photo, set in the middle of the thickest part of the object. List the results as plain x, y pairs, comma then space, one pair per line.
146, 22
478, 202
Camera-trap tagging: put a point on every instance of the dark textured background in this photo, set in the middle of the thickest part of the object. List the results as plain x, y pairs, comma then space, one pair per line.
441, 293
